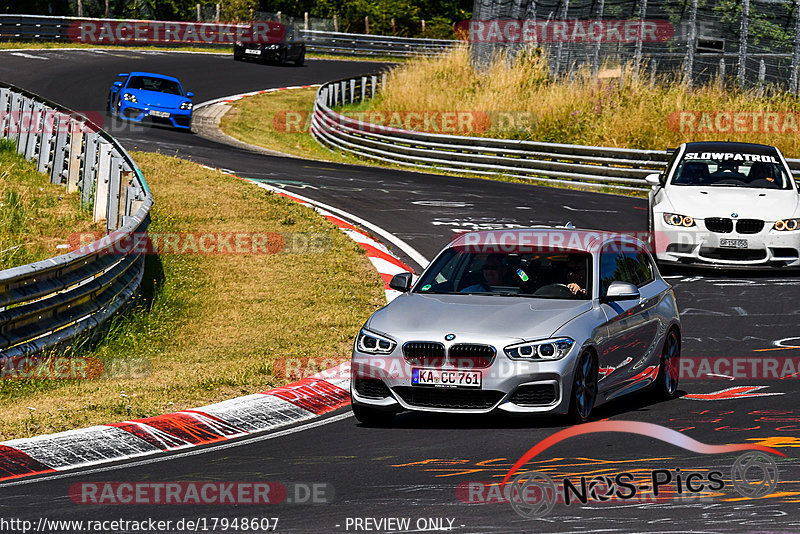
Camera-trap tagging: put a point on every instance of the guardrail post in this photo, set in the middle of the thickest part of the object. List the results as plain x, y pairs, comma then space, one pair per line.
352, 91
24, 125
101, 182
34, 132
363, 88
5, 104
74, 161
124, 190
89, 158
13, 119
344, 92
60, 150
49, 122
115, 177
335, 95
373, 84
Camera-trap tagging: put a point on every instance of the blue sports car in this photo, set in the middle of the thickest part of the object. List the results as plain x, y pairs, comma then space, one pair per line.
152, 97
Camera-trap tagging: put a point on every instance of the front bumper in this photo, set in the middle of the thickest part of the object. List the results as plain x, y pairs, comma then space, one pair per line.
178, 118
700, 246
259, 52
384, 382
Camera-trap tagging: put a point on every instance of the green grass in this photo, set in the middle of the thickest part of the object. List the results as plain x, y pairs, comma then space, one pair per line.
35, 215
210, 327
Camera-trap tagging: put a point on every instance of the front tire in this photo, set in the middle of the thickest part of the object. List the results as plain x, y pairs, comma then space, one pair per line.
371, 416
666, 385
584, 389
301, 59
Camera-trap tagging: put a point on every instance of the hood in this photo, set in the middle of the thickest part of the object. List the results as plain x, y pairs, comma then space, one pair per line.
156, 98
703, 202
422, 316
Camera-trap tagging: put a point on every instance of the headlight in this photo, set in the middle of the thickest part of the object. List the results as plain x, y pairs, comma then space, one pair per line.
129, 97
273, 47
673, 219
548, 349
372, 343
186, 105
787, 225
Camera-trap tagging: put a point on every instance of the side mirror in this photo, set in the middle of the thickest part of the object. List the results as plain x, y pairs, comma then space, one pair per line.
401, 282
656, 179
189, 94
118, 84
123, 74
621, 291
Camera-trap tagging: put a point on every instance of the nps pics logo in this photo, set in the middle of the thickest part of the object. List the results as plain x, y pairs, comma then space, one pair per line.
533, 494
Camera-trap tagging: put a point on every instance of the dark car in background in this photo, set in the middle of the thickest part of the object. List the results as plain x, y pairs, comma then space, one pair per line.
292, 48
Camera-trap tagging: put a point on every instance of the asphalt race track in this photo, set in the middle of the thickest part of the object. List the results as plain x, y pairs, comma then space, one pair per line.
413, 470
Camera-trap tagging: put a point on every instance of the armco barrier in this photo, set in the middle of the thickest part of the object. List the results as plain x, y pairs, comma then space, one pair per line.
46, 304
588, 166
41, 28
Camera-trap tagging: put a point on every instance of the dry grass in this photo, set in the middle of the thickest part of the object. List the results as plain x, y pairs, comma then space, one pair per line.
217, 325
584, 111
35, 215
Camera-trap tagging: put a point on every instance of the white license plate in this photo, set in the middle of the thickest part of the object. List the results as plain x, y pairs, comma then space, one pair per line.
733, 243
446, 378
252, 51
162, 114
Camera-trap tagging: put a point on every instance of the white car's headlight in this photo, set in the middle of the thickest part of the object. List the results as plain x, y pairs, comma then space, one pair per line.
186, 105
787, 225
547, 349
129, 97
673, 219
373, 343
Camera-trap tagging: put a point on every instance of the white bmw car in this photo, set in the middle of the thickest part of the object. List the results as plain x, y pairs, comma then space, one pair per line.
726, 204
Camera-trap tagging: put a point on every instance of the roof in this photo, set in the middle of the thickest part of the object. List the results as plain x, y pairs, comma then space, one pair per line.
726, 146
155, 75
538, 238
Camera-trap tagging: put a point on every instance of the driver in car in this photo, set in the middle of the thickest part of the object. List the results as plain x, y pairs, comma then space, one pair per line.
494, 272
576, 275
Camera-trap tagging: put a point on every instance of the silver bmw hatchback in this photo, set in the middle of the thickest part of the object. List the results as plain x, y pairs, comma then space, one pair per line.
539, 320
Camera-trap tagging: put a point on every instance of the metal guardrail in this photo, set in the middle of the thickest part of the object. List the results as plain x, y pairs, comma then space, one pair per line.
588, 166
41, 28
374, 45
46, 304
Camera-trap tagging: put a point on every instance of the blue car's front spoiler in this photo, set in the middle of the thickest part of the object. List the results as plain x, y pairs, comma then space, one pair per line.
178, 118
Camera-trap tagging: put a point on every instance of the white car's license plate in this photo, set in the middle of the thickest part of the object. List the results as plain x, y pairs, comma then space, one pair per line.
733, 243
446, 378
253, 51
162, 114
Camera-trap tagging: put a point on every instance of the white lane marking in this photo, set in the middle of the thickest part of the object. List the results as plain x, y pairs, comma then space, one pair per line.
388, 236
29, 56
588, 210
216, 447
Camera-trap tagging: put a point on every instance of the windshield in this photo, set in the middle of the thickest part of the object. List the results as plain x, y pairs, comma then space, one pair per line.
731, 169
548, 275
160, 85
